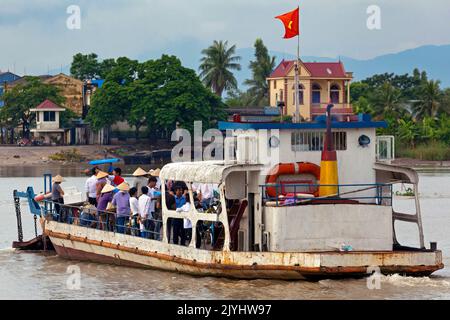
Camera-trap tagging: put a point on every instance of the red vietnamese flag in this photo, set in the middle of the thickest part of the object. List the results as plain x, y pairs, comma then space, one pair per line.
291, 23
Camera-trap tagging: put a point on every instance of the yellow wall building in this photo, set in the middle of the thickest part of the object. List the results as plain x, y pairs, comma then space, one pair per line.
70, 88
320, 83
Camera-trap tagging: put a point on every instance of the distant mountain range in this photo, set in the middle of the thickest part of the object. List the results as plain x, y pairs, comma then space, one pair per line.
435, 60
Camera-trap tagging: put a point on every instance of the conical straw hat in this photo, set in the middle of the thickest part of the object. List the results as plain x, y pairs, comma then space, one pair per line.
102, 175
108, 188
58, 179
124, 187
140, 172
155, 173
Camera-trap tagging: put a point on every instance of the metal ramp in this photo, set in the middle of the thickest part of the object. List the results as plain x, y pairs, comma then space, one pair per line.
387, 173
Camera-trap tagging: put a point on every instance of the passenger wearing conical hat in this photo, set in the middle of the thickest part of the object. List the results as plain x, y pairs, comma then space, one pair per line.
102, 181
140, 173
58, 195
105, 198
121, 201
140, 180
155, 173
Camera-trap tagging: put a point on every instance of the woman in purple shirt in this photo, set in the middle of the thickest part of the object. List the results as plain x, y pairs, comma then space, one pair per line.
121, 201
105, 198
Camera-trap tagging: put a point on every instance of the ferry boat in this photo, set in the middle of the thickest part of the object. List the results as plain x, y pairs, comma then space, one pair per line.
296, 201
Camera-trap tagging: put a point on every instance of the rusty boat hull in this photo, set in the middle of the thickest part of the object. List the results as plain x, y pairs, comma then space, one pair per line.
82, 244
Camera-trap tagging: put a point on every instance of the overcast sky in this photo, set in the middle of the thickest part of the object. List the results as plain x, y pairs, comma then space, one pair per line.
34, 35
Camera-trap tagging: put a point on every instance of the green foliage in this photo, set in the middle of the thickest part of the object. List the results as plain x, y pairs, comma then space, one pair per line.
72, 155
363, 105
430, 96
432, 151
408, 192
408, 132
66, 118
285, 119
157, 93
237, 99
23, 97
358, 90
87, 67
416, 109
387, 101
216, 67
261, 69
84, 67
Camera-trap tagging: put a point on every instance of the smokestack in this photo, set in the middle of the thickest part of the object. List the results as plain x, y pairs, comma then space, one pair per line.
329, 168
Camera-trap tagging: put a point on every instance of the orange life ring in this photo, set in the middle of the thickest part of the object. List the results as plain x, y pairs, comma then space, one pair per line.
284, 169
41, 197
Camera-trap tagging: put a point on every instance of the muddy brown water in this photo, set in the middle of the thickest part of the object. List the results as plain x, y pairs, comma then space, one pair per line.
36, 276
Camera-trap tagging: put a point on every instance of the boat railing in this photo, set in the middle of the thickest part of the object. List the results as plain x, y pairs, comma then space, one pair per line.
92, 218
286, 194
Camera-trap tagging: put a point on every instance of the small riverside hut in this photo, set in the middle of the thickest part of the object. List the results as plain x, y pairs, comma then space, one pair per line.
48, 128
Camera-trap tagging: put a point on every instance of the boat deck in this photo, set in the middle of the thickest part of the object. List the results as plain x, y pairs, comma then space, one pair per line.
80, 243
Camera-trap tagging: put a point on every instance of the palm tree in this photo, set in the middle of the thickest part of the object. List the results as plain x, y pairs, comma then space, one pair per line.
387, 101
216, 66
408, 132
430, 98
261, 68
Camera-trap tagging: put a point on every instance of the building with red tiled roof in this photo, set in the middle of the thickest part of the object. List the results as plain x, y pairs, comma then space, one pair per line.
48, 128
320, 83
48, 105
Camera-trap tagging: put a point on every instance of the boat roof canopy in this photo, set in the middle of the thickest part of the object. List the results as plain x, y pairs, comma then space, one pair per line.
214, 172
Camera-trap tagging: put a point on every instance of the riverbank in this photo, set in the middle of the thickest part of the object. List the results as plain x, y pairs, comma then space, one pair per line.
32, 156
35, 161
422, 164
43, 157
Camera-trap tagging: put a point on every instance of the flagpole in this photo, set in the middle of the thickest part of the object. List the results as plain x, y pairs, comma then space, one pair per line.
297, 68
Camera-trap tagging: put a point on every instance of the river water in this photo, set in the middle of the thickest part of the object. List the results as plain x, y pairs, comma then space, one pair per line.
36, 276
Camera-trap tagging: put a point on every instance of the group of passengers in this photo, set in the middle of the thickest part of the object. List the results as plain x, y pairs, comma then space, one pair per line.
136, 207
116, 205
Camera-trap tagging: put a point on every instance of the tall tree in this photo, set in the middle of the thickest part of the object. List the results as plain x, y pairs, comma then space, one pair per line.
408, 132
85, 66
217, 65
112, 103
387, 101
430, 99
23, 97
156, 93
261, 69
105, 67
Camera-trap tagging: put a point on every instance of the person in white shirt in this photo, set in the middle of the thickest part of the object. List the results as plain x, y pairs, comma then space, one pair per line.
140, 180
156, 213
91, 188
146, 209
187, 224
135, 213
205, 194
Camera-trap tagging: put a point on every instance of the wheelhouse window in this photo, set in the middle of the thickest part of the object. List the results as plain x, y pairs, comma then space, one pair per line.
316, 89
49, 116
335, 92
308, 141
